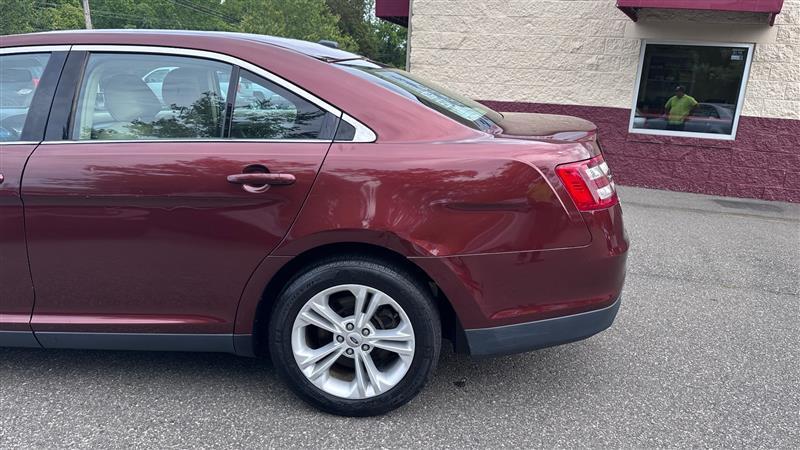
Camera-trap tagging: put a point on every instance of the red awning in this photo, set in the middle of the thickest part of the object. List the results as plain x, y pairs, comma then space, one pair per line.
395, 11
771, 7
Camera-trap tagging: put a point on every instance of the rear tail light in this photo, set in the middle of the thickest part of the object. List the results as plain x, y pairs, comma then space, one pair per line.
589, 183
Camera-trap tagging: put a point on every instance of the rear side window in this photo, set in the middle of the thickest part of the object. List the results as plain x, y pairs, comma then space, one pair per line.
138, 96
451, 104
19, 79
264, 110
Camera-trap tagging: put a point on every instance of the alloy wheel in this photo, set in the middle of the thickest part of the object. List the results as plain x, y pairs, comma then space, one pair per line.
353, 341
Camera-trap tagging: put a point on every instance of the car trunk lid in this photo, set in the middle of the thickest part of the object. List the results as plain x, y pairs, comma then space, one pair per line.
548, 127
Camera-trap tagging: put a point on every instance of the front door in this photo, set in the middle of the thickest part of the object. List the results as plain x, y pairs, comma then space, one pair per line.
26, 86
153, 216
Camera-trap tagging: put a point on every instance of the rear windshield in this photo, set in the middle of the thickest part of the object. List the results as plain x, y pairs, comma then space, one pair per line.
455, 106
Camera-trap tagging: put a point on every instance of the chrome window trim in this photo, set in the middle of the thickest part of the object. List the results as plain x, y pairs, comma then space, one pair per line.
363, 133
34, 49
185, 140
2, 143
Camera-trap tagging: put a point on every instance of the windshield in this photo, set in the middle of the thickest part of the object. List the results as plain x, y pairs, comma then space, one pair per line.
455, 106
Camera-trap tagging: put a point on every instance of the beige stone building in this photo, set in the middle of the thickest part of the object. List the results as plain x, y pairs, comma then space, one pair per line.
619, 63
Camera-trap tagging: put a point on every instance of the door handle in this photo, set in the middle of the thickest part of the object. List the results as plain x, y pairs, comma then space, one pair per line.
257, 182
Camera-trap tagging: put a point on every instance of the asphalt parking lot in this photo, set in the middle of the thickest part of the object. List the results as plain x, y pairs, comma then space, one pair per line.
705, 352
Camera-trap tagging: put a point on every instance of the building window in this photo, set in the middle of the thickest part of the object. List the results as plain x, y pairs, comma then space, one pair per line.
692, 90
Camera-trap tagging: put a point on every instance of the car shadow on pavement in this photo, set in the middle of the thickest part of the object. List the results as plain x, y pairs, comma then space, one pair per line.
458, 377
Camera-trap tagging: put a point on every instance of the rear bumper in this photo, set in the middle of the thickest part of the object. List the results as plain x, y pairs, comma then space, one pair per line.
528, 336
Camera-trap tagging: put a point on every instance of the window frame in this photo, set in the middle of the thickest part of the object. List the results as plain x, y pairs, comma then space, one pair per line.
33, 129
364, 134
689, 134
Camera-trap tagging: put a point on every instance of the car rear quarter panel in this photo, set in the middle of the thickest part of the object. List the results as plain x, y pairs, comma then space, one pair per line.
485, 219
438, 199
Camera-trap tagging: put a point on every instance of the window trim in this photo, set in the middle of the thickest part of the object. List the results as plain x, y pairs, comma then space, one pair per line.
363, 133
740, 98
34, 49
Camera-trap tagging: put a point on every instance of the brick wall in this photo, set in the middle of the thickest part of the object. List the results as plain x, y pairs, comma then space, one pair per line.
573, 57
763, 162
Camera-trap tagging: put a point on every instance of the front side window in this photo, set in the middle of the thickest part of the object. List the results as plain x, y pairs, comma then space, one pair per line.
690, 90
264, 110
19, 78
127, 96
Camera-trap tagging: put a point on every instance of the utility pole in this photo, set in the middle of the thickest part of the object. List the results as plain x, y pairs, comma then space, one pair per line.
87, 14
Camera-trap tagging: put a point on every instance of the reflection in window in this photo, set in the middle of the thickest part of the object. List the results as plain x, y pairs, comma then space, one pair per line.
690, 89
451, 104
19, 78
136, 96
264, 110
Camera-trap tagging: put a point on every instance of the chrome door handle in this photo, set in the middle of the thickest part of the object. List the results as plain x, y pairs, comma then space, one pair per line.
257, 182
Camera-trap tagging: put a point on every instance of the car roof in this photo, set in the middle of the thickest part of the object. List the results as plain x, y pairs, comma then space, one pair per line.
305, 64
307, 48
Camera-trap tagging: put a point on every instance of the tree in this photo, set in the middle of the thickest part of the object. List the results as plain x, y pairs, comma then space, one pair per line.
351, 23
26, 16
376, 39
355, 20
391, 40
165, 14
309, 20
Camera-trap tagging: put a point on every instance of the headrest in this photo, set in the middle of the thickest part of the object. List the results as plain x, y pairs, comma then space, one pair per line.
128, 98
184, 86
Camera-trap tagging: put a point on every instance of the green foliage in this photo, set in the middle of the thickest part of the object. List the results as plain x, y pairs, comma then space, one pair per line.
25, 16
309, 20
15, 17
64, 17
351, 23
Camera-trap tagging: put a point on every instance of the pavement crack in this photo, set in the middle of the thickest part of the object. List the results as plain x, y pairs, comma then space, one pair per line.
714, 283
662, 207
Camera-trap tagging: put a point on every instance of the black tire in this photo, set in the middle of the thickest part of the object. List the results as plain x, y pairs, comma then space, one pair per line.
398, 283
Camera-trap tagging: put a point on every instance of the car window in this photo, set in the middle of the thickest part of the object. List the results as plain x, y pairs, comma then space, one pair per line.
451, 104
121, 97
19, 78
264, 110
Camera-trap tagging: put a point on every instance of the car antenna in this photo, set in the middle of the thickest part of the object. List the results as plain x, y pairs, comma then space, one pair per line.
326, 43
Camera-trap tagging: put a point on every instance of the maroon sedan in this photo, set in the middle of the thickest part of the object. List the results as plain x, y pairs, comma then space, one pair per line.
264, 196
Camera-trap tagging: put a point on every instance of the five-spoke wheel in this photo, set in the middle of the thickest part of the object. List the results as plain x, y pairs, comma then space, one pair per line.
353, 341
355, 336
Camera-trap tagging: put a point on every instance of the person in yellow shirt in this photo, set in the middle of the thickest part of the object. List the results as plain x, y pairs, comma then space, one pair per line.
678, 108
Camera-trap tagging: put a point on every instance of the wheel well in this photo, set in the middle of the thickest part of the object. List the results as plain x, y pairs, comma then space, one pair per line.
451, 328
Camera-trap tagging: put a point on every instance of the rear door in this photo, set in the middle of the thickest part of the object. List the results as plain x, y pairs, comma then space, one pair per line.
27, 81
146, 213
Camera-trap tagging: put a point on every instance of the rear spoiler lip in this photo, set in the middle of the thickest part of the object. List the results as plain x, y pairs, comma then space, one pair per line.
562, 136
545, 127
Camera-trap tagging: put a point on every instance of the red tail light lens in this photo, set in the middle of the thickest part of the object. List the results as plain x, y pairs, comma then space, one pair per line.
589, 183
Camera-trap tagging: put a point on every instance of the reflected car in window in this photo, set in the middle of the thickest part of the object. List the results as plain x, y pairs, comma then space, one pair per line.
706, 118
269, 197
